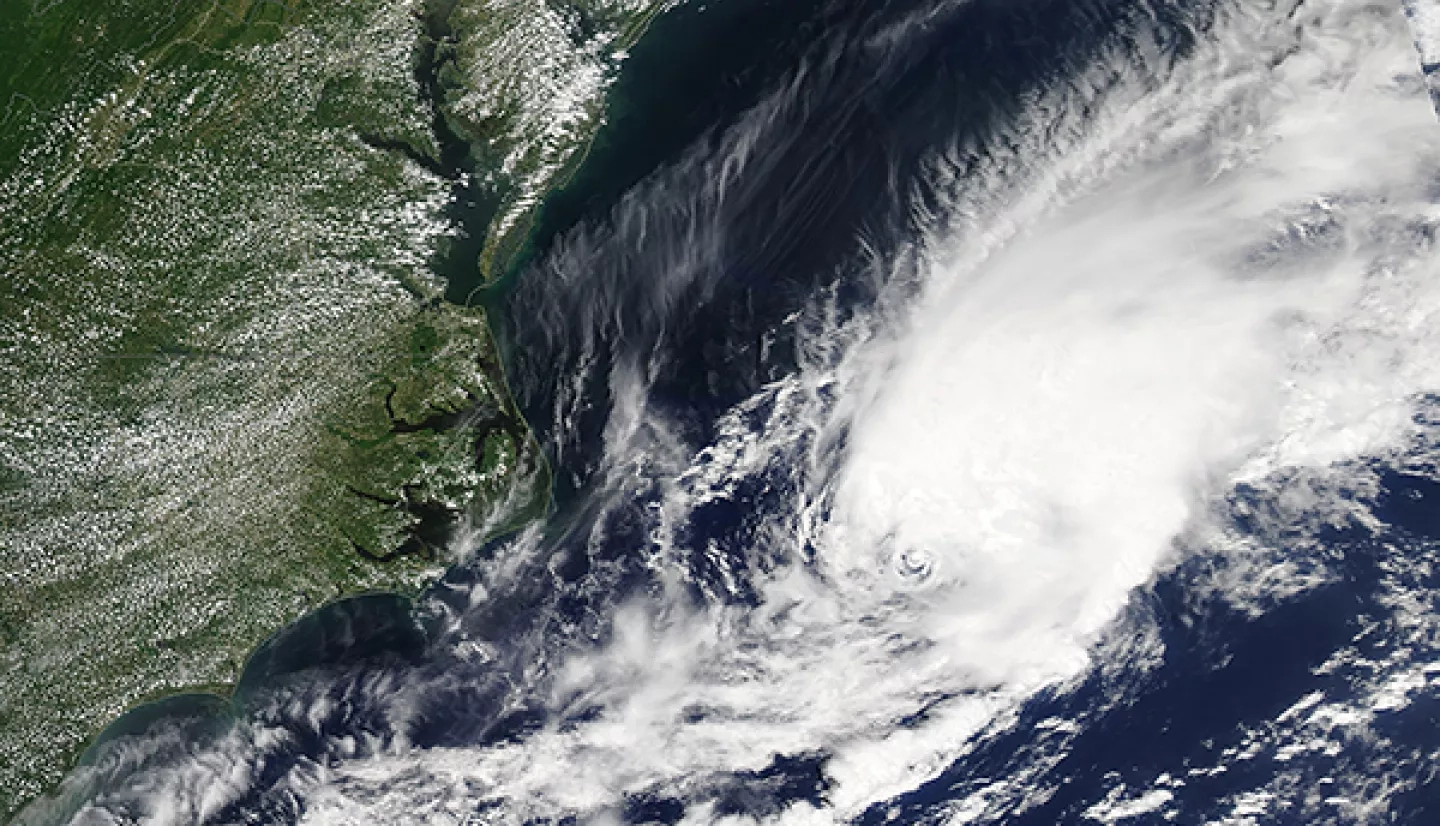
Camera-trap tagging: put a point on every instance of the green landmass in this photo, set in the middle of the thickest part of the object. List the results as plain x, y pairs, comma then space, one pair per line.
525, 85
230, 390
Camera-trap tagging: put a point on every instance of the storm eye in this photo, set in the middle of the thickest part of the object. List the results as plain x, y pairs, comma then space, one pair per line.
914, 565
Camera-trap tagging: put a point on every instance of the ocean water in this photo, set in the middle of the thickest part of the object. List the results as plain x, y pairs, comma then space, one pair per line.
982, 412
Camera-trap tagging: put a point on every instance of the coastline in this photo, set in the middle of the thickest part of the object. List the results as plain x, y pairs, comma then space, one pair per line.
213, 706
702, 66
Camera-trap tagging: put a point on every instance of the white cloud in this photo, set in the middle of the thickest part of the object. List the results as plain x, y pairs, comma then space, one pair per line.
1154, 292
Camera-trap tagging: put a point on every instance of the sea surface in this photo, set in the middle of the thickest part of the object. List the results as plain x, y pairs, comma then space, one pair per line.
961, 411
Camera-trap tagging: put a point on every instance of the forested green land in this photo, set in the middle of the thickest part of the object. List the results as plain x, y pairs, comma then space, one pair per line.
230, 390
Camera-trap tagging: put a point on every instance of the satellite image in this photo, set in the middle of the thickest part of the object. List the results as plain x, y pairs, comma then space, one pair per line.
736, 412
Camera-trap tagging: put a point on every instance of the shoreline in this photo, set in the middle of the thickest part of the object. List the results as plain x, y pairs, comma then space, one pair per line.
215, 707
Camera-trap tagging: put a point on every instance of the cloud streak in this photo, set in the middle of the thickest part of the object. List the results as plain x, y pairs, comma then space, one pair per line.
1160, 280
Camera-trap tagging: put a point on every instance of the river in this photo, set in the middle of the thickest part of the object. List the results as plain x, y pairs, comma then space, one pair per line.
986, 412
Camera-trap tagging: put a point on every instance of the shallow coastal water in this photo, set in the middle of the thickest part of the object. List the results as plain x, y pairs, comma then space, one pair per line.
1014, 413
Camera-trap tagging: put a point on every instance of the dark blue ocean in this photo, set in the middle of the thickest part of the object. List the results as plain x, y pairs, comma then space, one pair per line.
959, 411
